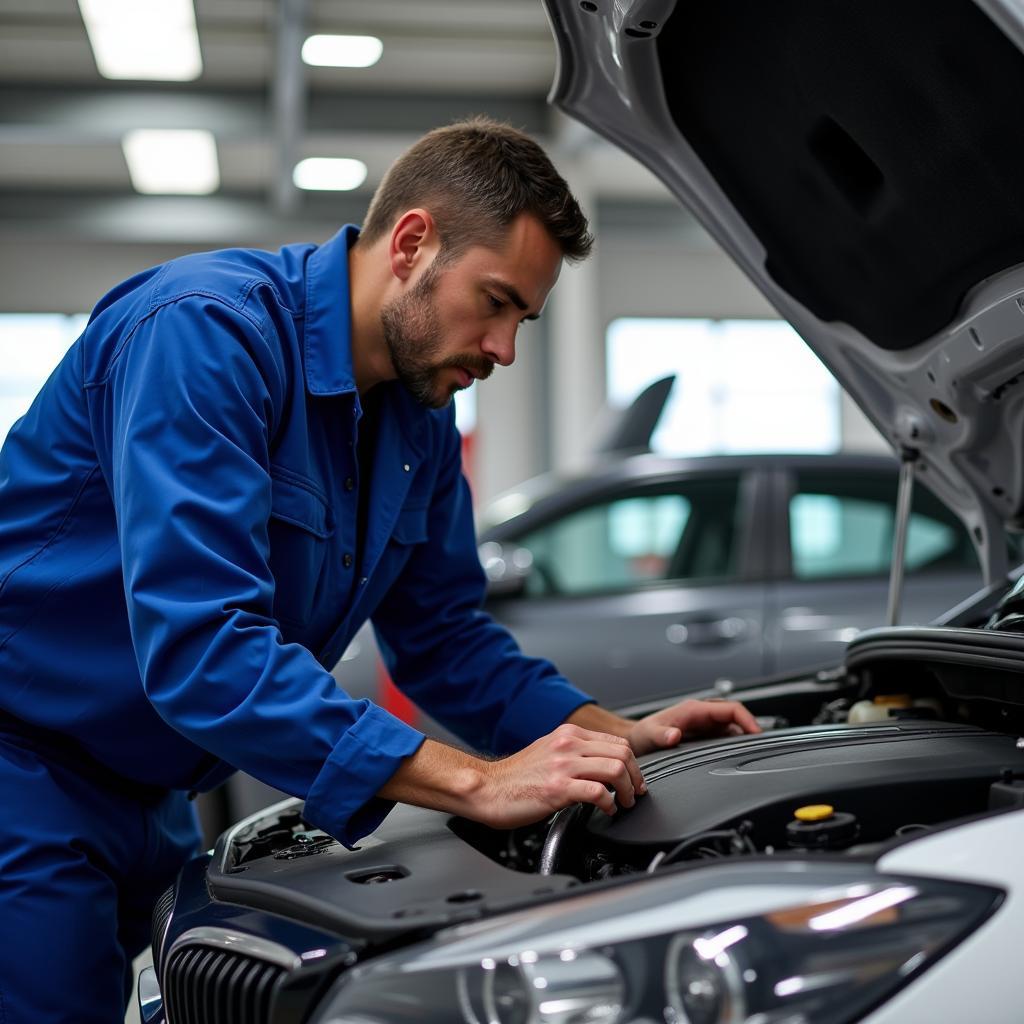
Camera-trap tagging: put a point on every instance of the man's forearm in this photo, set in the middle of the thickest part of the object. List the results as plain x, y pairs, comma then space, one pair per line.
438, 776
588, 758
566, 766
448, 779
598, 719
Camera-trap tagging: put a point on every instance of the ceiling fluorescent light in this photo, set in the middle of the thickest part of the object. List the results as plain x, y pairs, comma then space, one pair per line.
342, 51
175, 162
329, 174
143, 39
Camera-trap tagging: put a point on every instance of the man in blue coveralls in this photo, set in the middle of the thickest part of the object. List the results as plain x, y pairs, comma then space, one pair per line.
244, 457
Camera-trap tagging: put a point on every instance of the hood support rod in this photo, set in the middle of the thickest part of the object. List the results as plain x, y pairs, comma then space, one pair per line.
904, 496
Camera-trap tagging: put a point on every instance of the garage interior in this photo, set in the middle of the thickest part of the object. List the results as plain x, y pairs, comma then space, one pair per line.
73, 224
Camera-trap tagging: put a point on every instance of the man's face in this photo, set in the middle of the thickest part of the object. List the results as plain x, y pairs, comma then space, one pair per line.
457, 321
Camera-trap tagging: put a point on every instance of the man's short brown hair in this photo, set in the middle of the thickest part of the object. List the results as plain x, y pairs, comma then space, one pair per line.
475, 177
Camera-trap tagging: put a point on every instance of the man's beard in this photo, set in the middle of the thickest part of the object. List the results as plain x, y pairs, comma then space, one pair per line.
412, 332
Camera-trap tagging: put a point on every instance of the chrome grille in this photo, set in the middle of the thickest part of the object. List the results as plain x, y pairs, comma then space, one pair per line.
161, 918
202, 985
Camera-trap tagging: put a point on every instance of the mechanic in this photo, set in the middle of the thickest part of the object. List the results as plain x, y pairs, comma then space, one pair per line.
244, 457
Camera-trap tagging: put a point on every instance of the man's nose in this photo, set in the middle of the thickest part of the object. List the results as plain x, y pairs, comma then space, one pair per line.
500, 345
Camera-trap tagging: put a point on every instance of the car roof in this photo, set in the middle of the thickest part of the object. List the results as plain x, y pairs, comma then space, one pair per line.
606, 474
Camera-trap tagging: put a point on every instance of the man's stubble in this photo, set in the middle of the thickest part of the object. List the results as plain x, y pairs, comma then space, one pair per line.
412, 332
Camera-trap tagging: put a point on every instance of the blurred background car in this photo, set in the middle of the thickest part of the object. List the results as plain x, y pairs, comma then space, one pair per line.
653, 576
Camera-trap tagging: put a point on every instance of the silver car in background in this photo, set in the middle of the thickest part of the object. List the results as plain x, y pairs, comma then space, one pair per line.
652, 576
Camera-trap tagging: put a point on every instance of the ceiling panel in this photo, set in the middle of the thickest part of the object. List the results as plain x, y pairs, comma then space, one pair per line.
61, 123
63, 165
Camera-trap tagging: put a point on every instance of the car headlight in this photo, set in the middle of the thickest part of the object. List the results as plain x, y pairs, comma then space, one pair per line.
573, 986
787, 943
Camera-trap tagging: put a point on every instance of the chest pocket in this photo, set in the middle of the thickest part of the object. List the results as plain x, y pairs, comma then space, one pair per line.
409, 530
411, 525
299, 529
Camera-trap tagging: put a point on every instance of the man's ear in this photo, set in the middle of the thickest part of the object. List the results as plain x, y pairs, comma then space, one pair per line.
414, 242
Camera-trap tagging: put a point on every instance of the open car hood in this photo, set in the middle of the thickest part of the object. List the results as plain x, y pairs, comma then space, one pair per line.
862, 163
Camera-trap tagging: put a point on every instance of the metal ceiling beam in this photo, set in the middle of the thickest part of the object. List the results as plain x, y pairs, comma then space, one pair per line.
246, 220
189, 220
289, 101
30, 113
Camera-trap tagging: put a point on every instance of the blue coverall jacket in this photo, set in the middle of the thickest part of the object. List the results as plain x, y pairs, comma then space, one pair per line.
179, 566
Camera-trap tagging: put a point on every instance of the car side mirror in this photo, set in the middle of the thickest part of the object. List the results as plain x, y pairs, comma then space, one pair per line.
507, 568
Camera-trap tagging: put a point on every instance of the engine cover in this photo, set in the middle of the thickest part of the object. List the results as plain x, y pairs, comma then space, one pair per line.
887, 774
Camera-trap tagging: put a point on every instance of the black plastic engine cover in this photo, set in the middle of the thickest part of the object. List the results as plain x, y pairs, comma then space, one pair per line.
413, 873
888, 774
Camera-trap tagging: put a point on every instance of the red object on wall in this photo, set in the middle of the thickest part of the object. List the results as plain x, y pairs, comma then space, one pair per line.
468, 449
391, 698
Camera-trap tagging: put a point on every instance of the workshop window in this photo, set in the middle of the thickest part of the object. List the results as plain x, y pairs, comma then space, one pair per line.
741, 385
31, 345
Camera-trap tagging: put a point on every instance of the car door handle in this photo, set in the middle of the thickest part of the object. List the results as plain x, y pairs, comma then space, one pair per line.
826, 627
801, 620
707, 632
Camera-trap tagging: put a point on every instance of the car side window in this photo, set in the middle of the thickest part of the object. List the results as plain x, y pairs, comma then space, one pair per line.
843, 527
630, 541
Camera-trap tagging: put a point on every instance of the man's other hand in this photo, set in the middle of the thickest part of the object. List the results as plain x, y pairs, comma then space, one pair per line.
691, 720
590, 759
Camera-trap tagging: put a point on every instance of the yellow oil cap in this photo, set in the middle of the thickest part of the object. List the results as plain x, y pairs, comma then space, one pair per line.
814, 812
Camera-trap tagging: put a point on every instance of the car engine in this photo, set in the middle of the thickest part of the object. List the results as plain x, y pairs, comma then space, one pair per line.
921, 727
835, 790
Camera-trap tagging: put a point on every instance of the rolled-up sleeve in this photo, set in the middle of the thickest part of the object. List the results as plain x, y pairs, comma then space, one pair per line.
189, 408
449, 655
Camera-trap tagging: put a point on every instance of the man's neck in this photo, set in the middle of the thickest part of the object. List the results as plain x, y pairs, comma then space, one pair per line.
371, 363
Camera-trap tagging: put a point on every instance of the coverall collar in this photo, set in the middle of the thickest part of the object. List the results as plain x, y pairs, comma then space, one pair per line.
328, 331
328, 337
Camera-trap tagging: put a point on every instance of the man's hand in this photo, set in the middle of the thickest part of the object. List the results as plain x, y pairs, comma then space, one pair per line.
570, 765
577, 763
691, 719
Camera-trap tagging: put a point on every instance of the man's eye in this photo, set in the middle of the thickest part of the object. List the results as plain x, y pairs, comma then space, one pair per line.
495, 302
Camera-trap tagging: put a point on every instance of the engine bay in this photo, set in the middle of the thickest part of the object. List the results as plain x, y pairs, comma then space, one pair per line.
836, 789
826, 790
893, 745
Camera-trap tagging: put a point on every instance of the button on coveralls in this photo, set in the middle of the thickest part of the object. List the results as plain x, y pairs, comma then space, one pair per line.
174, 588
